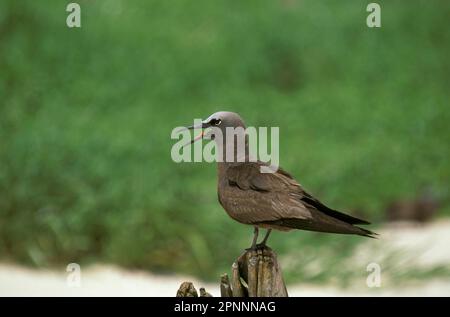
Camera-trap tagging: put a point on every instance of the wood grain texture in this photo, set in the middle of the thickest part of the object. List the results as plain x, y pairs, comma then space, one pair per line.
255, 273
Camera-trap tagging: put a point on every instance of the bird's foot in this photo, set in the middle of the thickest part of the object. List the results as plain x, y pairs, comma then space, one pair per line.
259, 246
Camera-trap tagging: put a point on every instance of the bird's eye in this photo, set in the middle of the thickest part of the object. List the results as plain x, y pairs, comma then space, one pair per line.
216, 122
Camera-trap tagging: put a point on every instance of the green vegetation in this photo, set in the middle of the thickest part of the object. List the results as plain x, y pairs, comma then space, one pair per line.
86, 116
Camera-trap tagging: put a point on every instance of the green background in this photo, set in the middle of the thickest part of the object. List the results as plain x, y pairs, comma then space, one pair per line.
86, 116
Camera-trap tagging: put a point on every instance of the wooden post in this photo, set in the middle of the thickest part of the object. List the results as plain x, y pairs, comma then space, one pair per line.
256, 273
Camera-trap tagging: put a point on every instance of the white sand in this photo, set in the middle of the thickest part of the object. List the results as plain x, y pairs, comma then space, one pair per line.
419, 246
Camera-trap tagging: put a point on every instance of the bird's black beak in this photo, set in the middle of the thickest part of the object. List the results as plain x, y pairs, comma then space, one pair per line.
202, 125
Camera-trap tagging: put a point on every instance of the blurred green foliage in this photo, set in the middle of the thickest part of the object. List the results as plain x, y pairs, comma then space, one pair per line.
86, 116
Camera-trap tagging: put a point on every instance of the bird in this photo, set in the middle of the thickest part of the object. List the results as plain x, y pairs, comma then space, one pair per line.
272, 201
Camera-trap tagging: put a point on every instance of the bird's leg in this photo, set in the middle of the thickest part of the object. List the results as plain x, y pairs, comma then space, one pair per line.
266, 236
263, 243
255, 239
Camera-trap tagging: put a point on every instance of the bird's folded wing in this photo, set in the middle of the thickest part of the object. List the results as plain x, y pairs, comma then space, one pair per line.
249, 176
254, 197
278, 196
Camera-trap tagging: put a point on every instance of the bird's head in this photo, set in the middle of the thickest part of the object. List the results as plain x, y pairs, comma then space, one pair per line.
217, 122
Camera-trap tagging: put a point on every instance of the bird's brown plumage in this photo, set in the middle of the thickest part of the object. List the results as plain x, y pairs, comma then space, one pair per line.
276, 200
270, 200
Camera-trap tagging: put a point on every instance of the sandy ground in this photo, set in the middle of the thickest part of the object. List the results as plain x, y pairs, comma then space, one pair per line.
420, 246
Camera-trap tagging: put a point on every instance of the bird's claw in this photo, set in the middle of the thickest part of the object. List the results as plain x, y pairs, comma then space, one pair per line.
259, 246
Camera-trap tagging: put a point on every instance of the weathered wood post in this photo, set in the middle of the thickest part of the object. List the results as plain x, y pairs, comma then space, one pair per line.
256, 273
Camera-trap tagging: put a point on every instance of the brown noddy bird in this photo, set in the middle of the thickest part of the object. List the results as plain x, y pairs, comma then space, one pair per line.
269, 200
